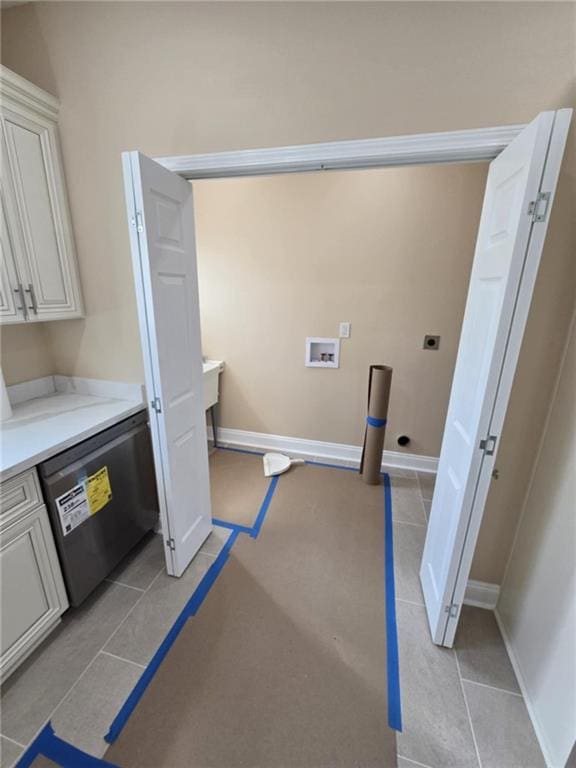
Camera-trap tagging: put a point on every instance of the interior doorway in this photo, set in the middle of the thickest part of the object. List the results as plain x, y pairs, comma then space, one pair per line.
521, 185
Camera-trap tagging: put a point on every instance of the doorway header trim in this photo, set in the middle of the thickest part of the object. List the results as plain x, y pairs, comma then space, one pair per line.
482, 144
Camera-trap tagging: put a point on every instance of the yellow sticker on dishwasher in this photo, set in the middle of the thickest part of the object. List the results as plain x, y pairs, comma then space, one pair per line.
98, 490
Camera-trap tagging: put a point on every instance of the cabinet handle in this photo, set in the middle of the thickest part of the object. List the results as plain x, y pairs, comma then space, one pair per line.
34, 306
23, 308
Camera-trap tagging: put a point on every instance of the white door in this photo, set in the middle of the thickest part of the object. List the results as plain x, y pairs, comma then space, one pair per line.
508, 249
164, 260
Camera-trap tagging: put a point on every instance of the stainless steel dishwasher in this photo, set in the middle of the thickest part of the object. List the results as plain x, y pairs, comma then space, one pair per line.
101, 499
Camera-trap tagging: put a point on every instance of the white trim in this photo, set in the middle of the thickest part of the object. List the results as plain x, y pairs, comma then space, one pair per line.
482, 144
538, 730
17, 90
481, 594
317, 450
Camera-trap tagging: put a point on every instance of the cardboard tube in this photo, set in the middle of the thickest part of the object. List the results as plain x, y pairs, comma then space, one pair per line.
379, 382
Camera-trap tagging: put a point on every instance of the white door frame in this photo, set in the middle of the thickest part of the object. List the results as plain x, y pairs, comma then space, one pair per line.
476, 145
482, 144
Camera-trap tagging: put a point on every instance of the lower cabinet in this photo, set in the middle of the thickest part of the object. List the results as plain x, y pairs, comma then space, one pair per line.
33, 595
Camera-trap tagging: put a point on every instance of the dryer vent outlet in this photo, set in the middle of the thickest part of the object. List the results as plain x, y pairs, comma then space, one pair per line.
431, 342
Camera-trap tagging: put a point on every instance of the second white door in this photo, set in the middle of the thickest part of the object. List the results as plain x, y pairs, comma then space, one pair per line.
164, 260
505, 265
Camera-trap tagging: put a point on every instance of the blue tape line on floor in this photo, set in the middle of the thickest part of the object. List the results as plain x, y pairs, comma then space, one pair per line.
210, 576
394, 704
193, 605
231, 526
264, 508
60, 752
189, 609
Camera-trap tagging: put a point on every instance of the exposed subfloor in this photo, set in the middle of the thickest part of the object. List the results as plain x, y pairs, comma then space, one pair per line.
461, 707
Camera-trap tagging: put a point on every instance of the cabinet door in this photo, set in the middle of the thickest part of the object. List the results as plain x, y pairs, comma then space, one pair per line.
33, 594
12, 309
47, 263
13, 304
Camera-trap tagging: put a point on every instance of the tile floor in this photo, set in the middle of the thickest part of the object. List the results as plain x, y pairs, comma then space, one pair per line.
82, 674
462, 707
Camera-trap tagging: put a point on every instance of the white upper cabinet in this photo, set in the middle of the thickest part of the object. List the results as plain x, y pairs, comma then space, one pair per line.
39, 276
9, 300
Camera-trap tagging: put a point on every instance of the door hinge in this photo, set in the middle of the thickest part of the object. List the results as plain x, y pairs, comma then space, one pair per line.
171, 544
452, 610
538, 209
156, 405
136, 221
488, 445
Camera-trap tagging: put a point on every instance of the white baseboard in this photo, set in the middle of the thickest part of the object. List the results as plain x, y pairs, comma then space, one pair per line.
539, 731
316, 450
481, 594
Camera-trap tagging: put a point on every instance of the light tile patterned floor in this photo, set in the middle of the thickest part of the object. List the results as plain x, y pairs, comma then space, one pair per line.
75, 679
461, 707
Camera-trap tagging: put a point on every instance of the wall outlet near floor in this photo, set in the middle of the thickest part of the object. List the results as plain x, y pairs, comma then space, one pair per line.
344, 332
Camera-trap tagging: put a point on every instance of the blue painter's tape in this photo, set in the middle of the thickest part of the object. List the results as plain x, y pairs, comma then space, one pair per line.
231, 526
189, 609
60, 752
264, 508
210, 577
196, 600
372, 422
393, 668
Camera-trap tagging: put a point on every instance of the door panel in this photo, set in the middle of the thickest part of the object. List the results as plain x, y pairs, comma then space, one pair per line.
11, 307
164, 258
465, 468
33, 593
46, 259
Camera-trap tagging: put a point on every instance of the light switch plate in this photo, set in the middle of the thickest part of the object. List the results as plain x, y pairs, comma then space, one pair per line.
345, 330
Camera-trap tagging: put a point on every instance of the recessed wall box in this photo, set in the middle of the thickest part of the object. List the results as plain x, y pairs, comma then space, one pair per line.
431, 342
322, 353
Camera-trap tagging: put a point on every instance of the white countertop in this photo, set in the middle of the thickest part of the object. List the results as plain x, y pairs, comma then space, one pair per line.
46, 425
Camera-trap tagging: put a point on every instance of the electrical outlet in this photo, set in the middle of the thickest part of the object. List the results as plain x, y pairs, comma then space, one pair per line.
345, 330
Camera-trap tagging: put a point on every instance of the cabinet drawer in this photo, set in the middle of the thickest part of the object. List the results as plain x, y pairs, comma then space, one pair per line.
19, 495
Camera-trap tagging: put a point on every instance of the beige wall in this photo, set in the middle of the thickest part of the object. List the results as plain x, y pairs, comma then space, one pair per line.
173, 78
285, 257
25, 352
537, 606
